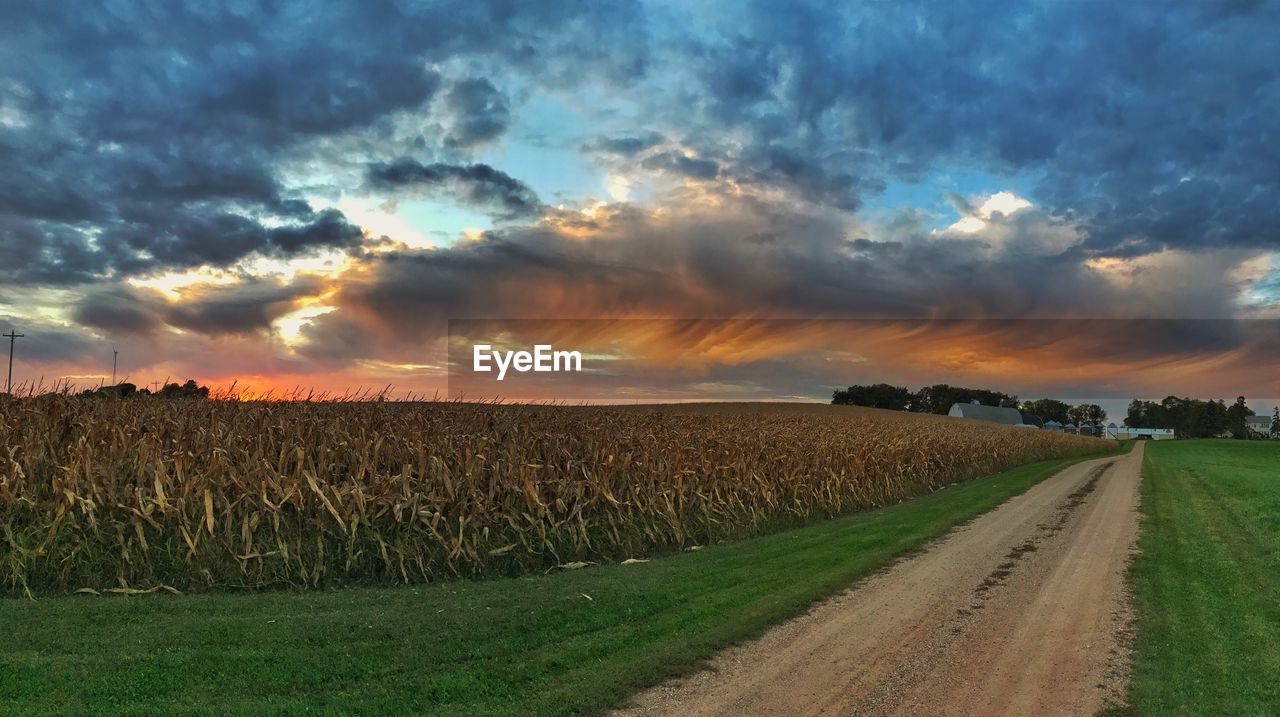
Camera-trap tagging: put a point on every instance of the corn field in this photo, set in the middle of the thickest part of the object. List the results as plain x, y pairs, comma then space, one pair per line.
191, 494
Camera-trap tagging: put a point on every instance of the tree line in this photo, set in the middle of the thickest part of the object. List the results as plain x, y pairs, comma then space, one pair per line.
1193, 418
1188, 417
939, 398
190, 389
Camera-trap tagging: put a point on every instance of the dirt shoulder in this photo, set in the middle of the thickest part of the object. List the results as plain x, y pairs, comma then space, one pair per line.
1022, 611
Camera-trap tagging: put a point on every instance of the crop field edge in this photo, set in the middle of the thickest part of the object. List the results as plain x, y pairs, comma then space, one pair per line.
197, 495
573, 642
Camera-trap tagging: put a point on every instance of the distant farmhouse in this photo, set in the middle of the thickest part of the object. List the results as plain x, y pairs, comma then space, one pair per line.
1258, 426
1013, 417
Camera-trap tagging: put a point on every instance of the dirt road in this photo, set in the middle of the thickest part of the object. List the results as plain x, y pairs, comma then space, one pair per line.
1022, 611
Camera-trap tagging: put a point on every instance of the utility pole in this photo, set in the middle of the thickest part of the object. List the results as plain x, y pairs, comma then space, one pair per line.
12, 337
114, 355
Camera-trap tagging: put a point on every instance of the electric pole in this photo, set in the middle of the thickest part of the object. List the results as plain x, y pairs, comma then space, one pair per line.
12, 336
114, 355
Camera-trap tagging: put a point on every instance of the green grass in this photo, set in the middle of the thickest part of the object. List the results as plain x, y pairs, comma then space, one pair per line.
523, 646
1207, 584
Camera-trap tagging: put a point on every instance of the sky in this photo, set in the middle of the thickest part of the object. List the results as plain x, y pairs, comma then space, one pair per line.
294, 194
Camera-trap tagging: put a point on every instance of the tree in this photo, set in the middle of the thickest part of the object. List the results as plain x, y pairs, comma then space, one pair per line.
880, 395
186, 390
1141, 414
1236, 416
1047, 408
1275, 421
1215, 419
1086, 413
1189, 417
939, 398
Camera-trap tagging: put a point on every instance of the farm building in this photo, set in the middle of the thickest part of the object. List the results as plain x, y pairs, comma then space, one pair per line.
1052, 426
1031, 419
1155, 434
994, 414
1097, 430
1258, 425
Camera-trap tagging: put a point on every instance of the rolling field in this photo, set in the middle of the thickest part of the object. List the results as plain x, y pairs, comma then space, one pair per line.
1207, 582
191, 494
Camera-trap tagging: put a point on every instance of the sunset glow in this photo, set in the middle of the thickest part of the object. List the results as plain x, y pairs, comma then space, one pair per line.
318, 219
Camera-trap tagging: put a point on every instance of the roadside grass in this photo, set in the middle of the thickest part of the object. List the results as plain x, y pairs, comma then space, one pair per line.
1207, 582
568, 642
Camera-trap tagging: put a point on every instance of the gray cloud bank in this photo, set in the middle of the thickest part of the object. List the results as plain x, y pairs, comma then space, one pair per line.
140, 138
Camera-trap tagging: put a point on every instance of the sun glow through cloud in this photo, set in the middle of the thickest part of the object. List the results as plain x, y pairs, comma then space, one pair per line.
1005, 203
171, 284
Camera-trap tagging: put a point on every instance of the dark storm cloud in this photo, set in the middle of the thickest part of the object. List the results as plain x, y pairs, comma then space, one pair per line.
164, 237
119, 310
44, 342
128, 121
481, 113
45, 252
165, 153
1151, 124
141, 136
246, 306
476, 184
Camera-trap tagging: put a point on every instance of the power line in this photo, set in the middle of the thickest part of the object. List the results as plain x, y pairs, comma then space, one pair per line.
12, 336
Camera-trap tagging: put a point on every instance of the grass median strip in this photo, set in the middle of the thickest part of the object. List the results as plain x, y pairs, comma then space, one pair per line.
1207, 582
571, 641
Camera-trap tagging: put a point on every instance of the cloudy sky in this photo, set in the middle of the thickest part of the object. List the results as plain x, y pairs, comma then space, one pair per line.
300, 194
